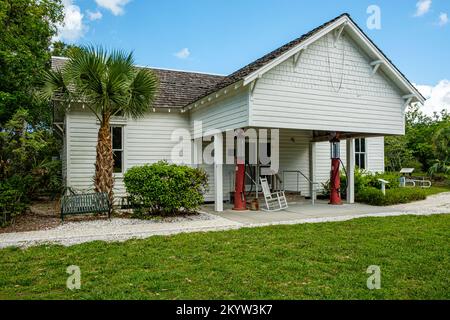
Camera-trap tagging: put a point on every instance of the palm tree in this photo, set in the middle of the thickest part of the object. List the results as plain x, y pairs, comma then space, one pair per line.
108, 84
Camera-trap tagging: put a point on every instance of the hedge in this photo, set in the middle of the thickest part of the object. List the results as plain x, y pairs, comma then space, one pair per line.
165, 189
375, 197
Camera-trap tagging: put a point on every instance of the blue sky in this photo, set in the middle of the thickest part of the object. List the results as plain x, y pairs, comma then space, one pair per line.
220, 36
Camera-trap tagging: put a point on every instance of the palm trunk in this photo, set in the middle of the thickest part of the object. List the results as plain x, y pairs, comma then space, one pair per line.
104, 165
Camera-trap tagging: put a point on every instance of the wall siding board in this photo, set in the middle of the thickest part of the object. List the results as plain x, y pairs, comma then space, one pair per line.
229, 112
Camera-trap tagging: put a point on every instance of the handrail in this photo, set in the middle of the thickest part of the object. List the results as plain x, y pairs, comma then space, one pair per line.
298, 171
312, 183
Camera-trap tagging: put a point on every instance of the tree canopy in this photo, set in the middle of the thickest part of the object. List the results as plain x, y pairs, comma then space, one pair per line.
27, 29
426, 141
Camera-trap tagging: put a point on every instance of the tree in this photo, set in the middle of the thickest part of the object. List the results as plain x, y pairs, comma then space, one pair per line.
108, 84
441, 147
417, 148
61, 49
441, 141
398, 155
27, 27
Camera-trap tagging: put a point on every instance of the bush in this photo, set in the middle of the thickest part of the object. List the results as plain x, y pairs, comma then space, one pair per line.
364, 179
375, 197
12, 203
370, 195
165, 189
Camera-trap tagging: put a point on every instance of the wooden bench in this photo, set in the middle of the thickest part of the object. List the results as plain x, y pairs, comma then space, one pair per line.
76, 204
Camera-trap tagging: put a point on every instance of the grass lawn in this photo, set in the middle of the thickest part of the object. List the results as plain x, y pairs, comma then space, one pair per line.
435, 190
309, 261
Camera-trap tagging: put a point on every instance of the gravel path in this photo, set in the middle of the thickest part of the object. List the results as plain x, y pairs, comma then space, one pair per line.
123, 229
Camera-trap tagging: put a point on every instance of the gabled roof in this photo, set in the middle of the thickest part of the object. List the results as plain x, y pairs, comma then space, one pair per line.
255, 69
183, 88
261, 62
176, 88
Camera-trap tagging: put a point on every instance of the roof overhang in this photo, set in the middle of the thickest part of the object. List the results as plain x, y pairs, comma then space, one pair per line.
345, 22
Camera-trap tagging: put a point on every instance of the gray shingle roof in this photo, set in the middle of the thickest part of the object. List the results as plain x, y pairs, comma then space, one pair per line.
179, 88
176, 88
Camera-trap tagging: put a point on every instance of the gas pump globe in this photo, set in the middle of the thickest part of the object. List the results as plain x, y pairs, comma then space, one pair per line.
335, 146
335, 179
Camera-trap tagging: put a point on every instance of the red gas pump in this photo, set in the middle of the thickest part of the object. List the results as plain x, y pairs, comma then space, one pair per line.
335, 179
240, 203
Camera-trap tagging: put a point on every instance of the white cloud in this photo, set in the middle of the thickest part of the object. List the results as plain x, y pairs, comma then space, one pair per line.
183, 53
115, 6
423, 6
443, 19
438, 97
94, 15
72, 27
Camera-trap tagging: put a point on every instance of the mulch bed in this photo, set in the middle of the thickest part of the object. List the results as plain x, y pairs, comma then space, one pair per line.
43, 215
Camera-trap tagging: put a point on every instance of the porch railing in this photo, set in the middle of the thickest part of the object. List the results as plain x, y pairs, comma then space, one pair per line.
313, 185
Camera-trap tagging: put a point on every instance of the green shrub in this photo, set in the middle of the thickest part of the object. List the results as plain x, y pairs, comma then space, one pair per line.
12, 203
165, 189
375, 197
364, 179
370, 195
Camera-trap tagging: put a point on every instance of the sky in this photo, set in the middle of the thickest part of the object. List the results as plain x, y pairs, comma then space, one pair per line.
221, 36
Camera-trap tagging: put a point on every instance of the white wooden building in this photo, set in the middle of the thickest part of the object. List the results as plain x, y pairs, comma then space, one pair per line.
332, 79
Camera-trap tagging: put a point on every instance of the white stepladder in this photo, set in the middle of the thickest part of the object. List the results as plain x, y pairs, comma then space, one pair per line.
274, 201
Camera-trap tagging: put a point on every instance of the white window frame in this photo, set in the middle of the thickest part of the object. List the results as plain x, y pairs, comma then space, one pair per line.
361, 153
121, 149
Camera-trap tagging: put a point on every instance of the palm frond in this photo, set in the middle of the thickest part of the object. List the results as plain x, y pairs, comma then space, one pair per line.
54, 84
143, 90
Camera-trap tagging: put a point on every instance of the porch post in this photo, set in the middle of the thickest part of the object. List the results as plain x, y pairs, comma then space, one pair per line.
218, 172
198, 152
312, 171
351, 170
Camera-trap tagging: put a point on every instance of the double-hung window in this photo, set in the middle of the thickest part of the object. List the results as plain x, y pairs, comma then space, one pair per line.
360, 153
117, 146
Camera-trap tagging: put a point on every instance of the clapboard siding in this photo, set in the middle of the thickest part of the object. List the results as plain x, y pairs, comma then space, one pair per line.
149, 139
331, 89
294, 155
375, 154
230, 112
63, 154
81, 145
228, 181
146, 140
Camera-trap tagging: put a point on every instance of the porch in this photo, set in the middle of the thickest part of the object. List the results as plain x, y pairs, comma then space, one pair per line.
302, 162
298, 211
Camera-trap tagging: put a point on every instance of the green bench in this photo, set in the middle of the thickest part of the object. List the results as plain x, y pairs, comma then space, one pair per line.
76, 204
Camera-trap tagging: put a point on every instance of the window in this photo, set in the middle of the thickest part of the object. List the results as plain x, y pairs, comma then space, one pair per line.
117, 146
360, 153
